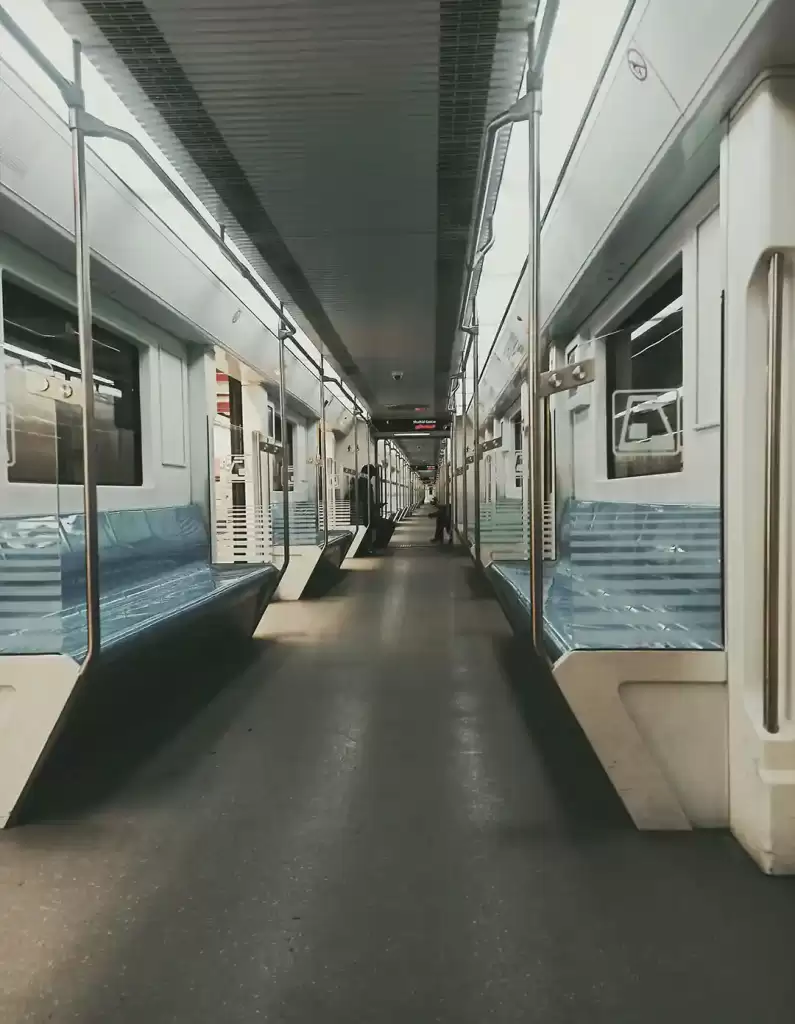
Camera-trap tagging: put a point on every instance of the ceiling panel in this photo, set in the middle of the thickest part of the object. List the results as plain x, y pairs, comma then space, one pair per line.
339, 141
421, 451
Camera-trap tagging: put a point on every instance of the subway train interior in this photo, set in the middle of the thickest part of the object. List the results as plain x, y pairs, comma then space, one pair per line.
397, 513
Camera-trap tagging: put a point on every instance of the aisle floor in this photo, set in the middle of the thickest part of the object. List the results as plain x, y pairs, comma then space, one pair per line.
383, 815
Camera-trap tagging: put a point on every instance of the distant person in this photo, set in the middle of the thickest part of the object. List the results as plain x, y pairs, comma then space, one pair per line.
444, 526
365, 496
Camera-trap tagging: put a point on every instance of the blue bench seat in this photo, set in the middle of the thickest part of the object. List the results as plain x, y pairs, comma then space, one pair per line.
628, 576
304, 534
154, 572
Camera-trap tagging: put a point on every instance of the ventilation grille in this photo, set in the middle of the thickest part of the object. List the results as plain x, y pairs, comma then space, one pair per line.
138, 41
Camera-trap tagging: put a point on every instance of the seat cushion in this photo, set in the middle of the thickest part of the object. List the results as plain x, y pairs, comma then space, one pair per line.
154, 567
138, 608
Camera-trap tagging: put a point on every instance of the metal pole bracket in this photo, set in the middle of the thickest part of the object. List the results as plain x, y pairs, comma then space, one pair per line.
489, 446
286, 330
551, 382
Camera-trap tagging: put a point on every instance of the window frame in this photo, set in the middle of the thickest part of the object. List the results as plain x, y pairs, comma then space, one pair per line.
144, 350
658, 293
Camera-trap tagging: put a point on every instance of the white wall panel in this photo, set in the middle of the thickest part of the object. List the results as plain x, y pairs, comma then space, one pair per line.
631, 125
172, 409
127, 236
709, 270
699, 479
683, 40
162, 484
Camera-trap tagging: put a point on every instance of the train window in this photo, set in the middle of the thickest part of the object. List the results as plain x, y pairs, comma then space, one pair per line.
644, 386
290, 437
277, 472
40, 338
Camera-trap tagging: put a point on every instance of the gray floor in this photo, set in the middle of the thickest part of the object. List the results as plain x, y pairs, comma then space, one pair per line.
383, 815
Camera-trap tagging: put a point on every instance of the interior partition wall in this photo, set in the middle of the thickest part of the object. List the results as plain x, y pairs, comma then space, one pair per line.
250, 445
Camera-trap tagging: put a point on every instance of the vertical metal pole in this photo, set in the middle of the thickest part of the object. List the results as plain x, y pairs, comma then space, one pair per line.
372, 483
381, 492
464, 516
476, 431
355, 492
453, 475
450, 475
84, 320
772, 563
390, 468
377, 483
393, 478
323, 472
283, 335
533, 472
383, 481
723, 454
366, 463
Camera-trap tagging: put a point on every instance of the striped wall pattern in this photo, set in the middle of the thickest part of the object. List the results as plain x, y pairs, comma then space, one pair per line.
31, 595
503, 530
305, 524
243, 534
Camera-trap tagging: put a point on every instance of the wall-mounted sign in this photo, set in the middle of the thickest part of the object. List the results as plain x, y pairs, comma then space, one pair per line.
424, 425
637, 65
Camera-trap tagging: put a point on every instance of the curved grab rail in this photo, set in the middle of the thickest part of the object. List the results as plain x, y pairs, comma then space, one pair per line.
86, 341
472, 330
772, 554
322, 491
285, 328
538, 44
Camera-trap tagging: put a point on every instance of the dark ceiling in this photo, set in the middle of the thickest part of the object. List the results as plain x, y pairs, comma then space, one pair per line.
339, 143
